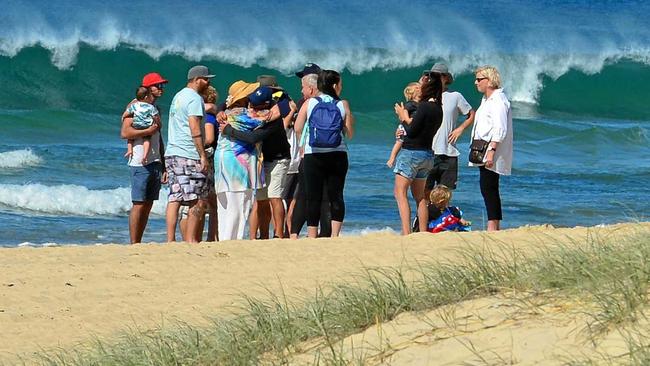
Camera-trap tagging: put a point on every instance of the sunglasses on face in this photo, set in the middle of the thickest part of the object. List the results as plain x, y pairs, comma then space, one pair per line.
160, 86
478, 80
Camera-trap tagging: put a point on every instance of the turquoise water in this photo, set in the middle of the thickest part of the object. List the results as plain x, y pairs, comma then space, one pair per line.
577, 79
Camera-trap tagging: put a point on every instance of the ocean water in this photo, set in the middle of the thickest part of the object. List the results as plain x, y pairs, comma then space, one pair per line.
576, 72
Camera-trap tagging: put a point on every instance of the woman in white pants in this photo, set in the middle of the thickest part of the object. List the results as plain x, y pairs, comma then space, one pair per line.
235, 171
237, 168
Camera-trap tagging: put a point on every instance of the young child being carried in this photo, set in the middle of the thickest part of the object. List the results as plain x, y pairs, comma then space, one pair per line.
144, 114
443, 217
412, 97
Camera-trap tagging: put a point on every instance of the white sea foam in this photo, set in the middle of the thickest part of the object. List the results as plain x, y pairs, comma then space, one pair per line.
370, 231
30, 244
19, 159
71, 200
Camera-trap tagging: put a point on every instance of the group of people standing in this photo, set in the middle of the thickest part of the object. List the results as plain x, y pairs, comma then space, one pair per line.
261, 157
426, 142
258, 157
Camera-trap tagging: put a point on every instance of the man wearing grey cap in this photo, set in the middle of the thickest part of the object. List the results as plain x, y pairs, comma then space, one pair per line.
185, 159
445, 160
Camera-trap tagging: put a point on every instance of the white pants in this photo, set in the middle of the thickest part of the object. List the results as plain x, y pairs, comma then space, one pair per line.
233, 209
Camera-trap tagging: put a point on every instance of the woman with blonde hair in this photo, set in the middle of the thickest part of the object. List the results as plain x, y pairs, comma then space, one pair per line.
492, 137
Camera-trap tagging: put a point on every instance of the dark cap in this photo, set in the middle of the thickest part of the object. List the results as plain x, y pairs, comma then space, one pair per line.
261, 96
309, 69
199, 71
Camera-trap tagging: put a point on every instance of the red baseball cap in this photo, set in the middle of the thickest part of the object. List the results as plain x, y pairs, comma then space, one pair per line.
152, 78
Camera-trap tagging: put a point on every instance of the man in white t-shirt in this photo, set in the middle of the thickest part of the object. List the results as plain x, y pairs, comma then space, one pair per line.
185, 159
445, 162
146, 176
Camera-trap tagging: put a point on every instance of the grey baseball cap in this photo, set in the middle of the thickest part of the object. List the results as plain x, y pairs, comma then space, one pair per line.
438, 68
199, 71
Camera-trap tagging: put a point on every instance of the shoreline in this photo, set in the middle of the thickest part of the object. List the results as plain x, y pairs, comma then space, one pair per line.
60, 296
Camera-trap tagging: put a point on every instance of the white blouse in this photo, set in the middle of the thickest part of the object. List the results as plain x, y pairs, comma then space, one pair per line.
493, 122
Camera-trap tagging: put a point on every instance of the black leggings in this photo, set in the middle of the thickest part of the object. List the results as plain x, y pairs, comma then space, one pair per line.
329, 168
299, 216
489, 182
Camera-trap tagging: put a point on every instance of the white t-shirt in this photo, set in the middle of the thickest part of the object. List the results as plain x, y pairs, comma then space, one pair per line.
186, 103
294, 150
453, 104
493, 122
138, 150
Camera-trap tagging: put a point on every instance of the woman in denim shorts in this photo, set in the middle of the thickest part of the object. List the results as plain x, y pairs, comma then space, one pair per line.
416, 157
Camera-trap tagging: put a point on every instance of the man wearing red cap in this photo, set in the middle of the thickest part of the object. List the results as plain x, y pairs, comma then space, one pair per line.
147, 175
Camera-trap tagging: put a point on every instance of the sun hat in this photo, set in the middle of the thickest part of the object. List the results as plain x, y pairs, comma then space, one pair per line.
152, 79
240, 90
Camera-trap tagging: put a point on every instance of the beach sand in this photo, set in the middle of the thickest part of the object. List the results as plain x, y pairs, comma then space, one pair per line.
59, 296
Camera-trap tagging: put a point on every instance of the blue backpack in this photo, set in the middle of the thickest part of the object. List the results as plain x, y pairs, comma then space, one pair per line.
325, 124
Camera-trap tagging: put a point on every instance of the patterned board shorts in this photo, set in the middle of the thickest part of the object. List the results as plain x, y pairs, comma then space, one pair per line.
186, 181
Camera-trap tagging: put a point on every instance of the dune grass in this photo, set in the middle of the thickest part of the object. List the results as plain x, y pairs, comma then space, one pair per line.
611, 275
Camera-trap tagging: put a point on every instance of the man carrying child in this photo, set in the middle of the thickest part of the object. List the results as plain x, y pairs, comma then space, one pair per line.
146, 171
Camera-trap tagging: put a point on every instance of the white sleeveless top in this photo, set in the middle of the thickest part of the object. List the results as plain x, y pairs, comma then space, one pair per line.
311, 103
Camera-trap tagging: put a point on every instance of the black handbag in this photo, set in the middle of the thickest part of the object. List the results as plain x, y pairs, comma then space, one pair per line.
477, 151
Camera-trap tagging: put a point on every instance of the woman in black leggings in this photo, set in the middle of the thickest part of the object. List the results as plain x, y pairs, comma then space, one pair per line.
325, 121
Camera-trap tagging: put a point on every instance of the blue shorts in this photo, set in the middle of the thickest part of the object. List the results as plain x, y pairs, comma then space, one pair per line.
414, 164
145, 182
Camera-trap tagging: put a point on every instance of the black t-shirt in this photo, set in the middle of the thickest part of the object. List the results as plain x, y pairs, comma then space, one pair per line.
426, 122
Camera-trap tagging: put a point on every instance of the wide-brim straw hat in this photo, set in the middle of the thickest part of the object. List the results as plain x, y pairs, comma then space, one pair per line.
240, 90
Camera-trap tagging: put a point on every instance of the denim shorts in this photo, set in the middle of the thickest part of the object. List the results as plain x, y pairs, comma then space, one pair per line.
414, 164
145, 182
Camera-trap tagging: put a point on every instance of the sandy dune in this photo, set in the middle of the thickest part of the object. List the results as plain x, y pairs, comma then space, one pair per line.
57, 296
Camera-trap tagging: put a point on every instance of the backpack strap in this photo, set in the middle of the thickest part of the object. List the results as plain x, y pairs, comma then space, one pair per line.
305, 128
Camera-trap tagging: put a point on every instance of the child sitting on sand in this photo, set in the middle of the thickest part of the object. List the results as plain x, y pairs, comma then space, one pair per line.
144, 114
412, 96
443, 217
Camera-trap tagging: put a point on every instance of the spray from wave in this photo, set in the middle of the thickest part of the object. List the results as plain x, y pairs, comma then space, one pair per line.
70, 200
19, 159
527, 41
